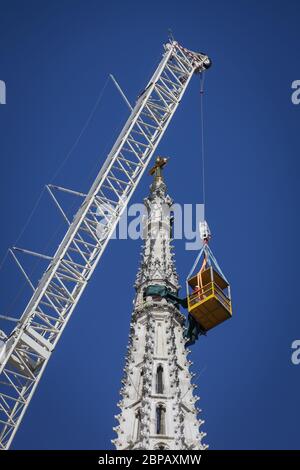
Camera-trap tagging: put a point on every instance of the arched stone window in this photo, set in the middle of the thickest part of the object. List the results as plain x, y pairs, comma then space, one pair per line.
138, 425
172, 217
160, 420
159, 379
140, 386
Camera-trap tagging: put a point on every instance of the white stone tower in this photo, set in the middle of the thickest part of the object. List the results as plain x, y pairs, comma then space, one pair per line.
157, 402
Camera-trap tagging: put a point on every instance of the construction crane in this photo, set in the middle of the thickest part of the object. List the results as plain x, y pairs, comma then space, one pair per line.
25, 352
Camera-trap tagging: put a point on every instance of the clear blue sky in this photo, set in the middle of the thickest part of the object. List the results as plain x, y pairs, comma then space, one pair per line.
55, 57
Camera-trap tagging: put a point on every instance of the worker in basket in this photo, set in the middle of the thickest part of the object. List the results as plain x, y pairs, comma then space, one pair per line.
200, 288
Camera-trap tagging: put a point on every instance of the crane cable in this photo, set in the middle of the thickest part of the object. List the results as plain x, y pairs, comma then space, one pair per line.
35, 207
199, 275
202, 77
60, 167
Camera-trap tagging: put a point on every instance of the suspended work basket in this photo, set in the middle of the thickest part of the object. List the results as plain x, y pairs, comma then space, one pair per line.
208, 291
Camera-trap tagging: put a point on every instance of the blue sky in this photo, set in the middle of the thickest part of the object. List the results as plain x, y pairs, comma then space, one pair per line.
55, 58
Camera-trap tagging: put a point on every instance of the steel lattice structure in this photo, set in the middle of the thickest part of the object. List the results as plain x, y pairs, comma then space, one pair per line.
25, 353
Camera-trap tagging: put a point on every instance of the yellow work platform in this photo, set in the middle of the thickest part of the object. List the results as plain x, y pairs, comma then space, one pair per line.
210, 302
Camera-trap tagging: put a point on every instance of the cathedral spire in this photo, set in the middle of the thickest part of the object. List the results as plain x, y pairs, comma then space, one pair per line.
158, 407
157, 264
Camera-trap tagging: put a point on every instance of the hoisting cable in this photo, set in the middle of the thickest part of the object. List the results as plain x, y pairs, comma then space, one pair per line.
35, 207
202, 150
4, 258
85, 126
202, 78
24, 226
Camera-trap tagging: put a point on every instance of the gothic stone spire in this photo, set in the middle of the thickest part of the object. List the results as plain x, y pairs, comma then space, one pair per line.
158, 406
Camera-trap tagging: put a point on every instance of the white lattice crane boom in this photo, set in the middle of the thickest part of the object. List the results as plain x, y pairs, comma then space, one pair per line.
25, 353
